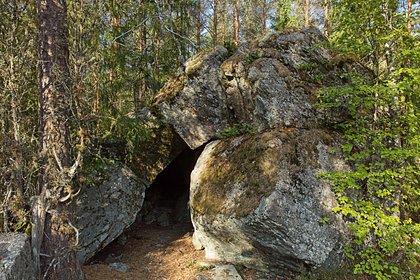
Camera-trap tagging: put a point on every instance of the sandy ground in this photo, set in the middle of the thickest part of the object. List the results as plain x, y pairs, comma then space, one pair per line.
151, 252
166, 253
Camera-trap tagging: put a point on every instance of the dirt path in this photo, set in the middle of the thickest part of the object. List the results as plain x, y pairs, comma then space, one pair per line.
150, 252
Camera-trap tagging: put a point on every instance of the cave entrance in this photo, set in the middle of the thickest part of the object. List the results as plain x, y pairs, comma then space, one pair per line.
166, 200
164, 217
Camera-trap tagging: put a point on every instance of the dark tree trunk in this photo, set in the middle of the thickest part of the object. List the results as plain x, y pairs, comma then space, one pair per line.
215, 10
54, 237
223, 27
112, 72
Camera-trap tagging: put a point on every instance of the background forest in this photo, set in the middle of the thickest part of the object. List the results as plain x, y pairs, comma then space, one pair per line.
122, 52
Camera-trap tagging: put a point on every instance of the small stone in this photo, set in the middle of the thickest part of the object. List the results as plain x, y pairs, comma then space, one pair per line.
163, 220
217, 271
122, 239
112, 258
202, 277
226, 272
121, 267
196, 243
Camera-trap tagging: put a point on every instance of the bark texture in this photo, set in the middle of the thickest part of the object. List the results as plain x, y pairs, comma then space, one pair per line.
409, 14
307, 12
237, 11
54, 236
215, 11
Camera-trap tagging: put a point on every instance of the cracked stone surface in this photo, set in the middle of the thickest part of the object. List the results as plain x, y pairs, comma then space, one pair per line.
272, 83
15, 257
107, 207
257, 201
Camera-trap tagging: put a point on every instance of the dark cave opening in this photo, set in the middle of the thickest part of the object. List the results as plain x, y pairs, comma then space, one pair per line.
165, 207
166, 199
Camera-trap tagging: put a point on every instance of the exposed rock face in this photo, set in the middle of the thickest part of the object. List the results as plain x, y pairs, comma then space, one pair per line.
107, 207
194, 103
257, 200
272, 84
15, 257
218, 271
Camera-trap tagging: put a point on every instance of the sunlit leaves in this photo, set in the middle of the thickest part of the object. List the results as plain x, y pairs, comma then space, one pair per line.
380, 196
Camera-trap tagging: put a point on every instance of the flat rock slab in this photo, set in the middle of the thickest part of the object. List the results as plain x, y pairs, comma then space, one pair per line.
15, 257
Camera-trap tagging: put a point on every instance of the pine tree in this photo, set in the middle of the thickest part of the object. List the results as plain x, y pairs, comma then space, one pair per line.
53, 233
284, 18
237, 23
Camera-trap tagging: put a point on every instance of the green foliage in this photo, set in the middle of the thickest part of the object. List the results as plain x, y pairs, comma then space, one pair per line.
205, 267
236, 130
230, 46
284, 17
126, 131
380, 196
372, 31
252, 56
324, 220
307, 66
18, 112
121, 55
93, 171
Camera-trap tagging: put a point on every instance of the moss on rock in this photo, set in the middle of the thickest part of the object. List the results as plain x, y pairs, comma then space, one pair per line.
240, 171
171, 89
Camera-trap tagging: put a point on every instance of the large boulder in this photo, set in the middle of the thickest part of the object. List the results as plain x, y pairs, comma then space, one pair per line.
108, 203
272, 83
16, 257
194, 102
257, 200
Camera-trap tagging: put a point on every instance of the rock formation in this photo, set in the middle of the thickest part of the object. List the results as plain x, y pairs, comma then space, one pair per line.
111, 195
273, 83
106, 206
194, 103
257, 199
15, 257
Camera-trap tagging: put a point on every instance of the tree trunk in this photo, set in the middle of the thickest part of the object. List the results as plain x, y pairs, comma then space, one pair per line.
326, 17
53, 234
224, 10
265, 16
112, 73
307, 12
237, 11
215, 11
409, 14
198, 31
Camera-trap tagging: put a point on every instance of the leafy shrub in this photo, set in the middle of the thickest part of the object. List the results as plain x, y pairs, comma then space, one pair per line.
380, 196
